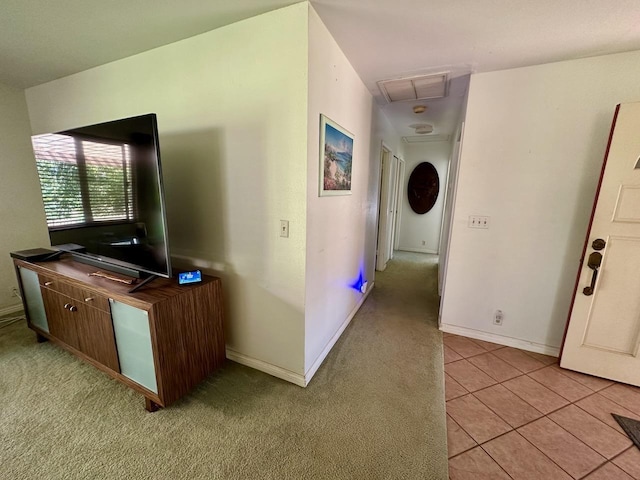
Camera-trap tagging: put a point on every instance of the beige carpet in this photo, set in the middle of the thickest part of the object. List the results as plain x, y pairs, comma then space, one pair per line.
375, 409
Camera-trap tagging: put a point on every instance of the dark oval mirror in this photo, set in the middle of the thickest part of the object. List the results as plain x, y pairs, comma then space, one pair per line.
423, 188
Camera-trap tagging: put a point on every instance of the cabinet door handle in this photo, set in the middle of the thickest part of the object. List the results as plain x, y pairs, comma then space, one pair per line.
88, 299
73, 308
46, 284
67, 306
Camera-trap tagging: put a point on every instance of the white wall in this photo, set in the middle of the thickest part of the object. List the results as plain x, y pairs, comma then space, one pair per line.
341, 231
421, 233
233, 126
533, 147
21, 209
336, 226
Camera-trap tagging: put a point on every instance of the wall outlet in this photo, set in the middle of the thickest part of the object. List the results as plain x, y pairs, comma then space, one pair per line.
498, 317
424, 243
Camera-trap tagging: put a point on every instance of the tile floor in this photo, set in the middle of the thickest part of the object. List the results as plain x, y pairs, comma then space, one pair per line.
517, 415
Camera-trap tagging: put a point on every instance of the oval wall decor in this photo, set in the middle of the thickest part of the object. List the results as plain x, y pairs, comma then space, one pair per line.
423, 189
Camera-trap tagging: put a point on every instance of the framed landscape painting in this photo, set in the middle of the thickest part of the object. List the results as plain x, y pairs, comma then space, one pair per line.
336, 155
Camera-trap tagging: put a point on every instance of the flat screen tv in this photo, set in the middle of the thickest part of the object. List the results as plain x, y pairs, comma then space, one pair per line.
103, 195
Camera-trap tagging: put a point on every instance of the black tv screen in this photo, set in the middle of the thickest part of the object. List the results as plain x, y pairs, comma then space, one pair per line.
103, 194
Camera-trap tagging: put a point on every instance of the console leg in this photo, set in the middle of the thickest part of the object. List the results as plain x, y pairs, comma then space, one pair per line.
150, 405
40, 338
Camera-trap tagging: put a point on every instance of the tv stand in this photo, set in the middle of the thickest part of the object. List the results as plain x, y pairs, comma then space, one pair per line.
54, 256
97, 262
150, 278
161, 341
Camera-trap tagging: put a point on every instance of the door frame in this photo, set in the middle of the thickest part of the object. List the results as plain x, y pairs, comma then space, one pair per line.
448, 211
392, 206
400, 181
384, 198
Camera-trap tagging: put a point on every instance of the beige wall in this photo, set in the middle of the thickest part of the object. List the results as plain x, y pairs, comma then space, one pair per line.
533, 147
233, 125
341, 230
238, 113
21, 210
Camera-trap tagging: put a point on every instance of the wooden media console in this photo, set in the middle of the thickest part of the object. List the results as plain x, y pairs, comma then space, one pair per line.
161, 341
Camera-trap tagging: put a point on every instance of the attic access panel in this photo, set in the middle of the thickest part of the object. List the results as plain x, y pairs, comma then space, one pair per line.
423, 188
422, 87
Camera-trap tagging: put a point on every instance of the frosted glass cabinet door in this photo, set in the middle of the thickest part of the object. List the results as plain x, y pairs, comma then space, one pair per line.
133, 339
33, 298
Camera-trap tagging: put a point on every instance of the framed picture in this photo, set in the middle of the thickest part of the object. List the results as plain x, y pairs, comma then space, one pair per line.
336, 155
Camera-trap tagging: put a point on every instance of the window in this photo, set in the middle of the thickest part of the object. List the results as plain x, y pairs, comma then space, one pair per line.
83, 181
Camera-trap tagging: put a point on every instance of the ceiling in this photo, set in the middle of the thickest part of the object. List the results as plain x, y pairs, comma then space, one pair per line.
383, 39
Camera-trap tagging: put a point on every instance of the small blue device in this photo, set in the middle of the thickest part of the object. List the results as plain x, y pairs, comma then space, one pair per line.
189, 277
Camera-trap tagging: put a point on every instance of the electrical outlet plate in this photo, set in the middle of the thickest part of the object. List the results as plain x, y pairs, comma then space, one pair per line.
498, 317
478, 221
284, 228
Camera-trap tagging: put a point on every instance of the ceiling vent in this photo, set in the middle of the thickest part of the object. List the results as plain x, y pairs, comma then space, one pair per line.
426, 138
422, 128
415, 88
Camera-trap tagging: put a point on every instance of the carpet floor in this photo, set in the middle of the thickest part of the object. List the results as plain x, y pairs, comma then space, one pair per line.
374, 410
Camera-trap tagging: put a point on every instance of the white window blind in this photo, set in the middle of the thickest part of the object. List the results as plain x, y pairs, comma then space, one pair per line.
83, 181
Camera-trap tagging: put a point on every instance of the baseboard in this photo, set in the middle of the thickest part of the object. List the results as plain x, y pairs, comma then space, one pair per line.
11, 309
502, 340
418, 250
184, 259
265, 367
316, 365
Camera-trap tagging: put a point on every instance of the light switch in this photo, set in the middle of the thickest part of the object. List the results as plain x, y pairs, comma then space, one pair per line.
478, 221
284, 228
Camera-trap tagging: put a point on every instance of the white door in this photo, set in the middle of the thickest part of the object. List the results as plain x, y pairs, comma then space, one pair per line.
391, 206
603, 334
382, 252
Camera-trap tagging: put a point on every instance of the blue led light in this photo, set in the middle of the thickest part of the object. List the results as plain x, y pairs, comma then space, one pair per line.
358, 283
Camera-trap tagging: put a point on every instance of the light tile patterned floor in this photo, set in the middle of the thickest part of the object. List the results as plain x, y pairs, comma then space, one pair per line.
517, 415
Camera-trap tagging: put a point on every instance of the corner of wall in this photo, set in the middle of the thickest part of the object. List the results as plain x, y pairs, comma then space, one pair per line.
23, 213
339, 246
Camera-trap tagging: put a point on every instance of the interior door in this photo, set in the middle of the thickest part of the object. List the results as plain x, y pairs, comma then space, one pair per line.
383, 220
603, 332
393, 200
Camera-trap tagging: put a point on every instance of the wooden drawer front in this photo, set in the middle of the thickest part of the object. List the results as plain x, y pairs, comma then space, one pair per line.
81, 295
85, 328
95, 336
62, 324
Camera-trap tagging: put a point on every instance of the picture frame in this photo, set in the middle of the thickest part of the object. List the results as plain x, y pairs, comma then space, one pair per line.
336, 158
